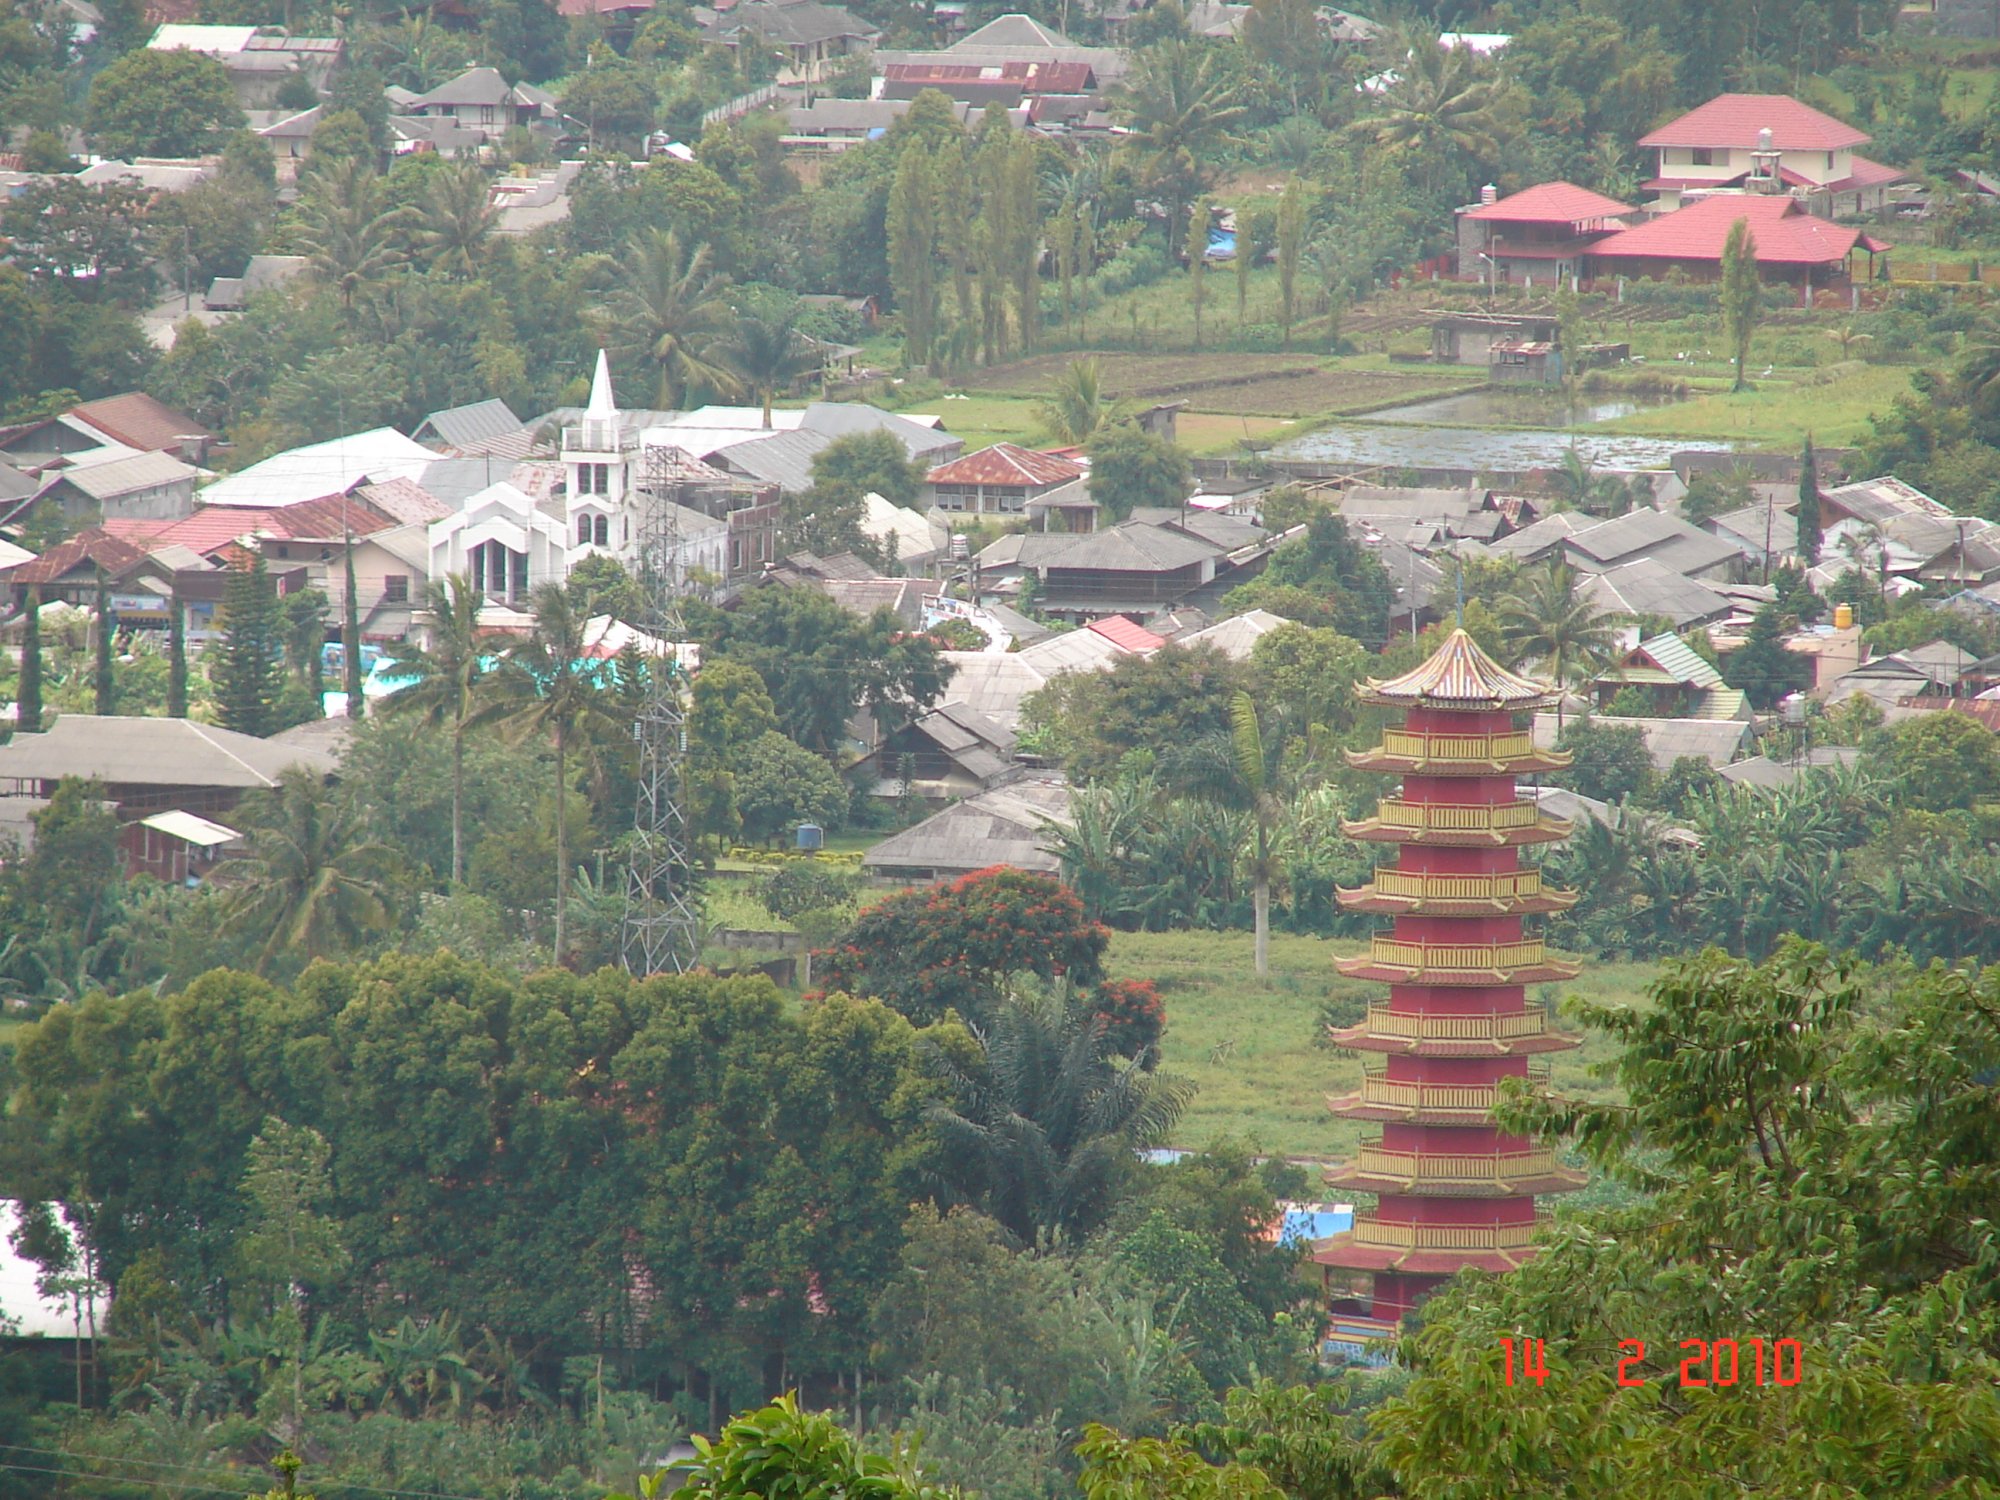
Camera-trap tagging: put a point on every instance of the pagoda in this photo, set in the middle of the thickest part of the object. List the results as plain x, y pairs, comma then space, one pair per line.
1452, 1190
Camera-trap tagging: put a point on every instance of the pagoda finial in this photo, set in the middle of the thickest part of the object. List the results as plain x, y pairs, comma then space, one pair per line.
1459, 674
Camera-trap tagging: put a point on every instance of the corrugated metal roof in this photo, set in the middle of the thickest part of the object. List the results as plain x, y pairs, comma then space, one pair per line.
1128, 634
1735, 121
122, 476
476, 421
190, 829
1004, 826
1675, 656
139, 421
1007, 464
130, 751
1646, 587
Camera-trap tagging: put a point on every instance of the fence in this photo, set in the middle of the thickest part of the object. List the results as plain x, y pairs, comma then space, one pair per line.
742, 104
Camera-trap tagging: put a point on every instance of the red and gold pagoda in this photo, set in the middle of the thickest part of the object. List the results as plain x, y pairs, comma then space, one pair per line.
1452, 1190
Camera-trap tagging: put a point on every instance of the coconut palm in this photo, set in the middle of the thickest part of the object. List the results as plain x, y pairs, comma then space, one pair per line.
1578, 486
670, 314
1551, 622
349, 233
455, 220
1043, 1129
313, 881
443, 682
767, 352
1180, 103
1076, 408
546, 687
1436, 107
1244, 770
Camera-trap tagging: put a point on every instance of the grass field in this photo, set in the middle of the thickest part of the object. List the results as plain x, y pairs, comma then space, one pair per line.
1833, 404
1252, 1050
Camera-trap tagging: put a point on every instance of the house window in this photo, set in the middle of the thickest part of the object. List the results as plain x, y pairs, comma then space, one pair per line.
1013, 500
583, 531
284, 552
736, 554
1703, 156
1829, 161
396, 588
520, 589
602, 530
486, 114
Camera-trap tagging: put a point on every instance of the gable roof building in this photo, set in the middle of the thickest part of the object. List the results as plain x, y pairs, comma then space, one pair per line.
1646, 587
1676, 680
150, 765
1648, 533
1007, 825
472, 428
321, 469
954, 751
139, 421
1542, 231
1792, 244
1766, 142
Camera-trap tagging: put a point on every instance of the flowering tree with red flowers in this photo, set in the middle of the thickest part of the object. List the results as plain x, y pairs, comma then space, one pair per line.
953, 947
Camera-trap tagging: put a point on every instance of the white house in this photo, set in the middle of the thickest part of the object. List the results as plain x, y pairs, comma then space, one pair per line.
505, 542
1766, 143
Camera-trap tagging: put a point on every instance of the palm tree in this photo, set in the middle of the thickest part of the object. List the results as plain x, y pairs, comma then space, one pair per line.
1436, 107
1244, 770
1076, 408
768, 351
456, 218
1180, 102
545, 686
443, 683
1043, 1129
1580, 487
416, 55
669, 312
1551, 622
313, 881
348, 233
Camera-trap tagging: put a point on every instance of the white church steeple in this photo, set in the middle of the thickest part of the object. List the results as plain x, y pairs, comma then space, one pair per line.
597, 456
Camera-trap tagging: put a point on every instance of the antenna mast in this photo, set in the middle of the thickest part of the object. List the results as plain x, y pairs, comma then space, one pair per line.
662, 919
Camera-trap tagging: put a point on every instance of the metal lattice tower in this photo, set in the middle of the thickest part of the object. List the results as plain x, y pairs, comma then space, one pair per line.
661, 917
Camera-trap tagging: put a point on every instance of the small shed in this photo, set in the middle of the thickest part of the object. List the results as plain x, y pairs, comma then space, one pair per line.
176, 846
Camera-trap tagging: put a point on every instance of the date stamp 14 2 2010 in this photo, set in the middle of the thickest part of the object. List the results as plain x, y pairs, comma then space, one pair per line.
1706, 1362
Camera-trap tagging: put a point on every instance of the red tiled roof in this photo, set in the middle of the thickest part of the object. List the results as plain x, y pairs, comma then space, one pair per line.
1867, 174
1127, 635
138, 421
1007, 463
1551, 203
1733, 121
213, 527
1786, 234
96, 546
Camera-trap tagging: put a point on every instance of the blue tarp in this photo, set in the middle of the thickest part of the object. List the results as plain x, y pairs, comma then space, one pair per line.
1221, 244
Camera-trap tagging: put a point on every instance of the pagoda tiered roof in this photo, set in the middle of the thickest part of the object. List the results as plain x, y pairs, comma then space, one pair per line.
1460, 676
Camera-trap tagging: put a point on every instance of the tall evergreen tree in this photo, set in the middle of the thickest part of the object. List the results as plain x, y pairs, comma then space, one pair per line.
913, 238
28, 705
1810, 538
350, 641
1291, 241
249, 670
1742, 295
106, 684
177, 658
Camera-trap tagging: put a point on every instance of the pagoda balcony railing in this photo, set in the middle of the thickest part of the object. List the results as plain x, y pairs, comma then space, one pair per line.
1476, 957
1409, 744
1382, 1021
1512, 885
1429, 817
1398, 1093
1394, 1236
1425, 1167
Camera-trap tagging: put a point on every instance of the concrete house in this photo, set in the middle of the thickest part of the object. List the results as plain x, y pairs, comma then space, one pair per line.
1540, 234
999, 480
258, 62
814, 38
480, 100
1677, 682
508, 544
1766, 142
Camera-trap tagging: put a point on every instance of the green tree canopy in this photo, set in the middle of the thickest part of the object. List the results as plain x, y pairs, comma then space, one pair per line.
162, 103
1130, 468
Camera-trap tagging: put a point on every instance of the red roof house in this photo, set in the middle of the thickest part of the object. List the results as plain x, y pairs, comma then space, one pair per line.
1767, 141
138, 421
1792, 245
1001, 479
1541, 232
1127, 634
